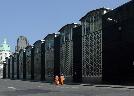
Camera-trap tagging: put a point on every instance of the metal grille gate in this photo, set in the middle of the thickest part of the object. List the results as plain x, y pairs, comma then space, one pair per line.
92, 54
66, 55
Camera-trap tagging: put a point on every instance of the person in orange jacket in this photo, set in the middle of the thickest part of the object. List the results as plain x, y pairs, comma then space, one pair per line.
62, 78
56, 79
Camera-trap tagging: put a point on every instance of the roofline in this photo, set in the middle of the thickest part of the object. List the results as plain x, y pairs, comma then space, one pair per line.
49, 35
39, 41
28, 46
119, 7
21, 50
68, 25
92, 11
36, 42
53, 34
125, 4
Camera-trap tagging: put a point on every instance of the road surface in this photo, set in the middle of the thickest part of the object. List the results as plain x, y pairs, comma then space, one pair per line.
27, 88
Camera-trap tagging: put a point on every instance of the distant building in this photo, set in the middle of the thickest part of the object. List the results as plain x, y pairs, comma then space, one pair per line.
22, 43
4, 52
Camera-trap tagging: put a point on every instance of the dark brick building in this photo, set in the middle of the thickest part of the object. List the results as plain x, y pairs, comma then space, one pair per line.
49, 56
66, 50
77, 54
7, 67
118, 44
22, 64
11, 66
29, 61
92, 45
16, 62
57, 55
39, 60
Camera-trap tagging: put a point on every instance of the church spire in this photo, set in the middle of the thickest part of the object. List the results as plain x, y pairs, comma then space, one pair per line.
5, 41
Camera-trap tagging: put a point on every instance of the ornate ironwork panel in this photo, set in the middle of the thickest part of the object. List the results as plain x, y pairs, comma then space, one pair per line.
92, 44
66, 54
92, 56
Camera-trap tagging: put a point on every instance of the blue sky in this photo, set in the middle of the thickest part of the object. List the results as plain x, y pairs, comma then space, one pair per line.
37, 18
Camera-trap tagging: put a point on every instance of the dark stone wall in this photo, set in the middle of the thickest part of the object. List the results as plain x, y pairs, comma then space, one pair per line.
57, 55
43, 61
12, 67
17, 66
118, 44
8, 68
32, 63
77, 54
37, 61
24, 65
4, 70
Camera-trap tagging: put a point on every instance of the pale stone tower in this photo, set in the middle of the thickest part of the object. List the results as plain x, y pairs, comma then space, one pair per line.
22, 43
4, 52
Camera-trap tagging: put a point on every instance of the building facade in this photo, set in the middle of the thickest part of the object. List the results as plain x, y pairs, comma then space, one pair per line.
22, 64
39, 60
11, 67
77, 54
118, 44
28, 61
57, 55
92, 45
66, 50
4, 70
6, 67
49, 56
16, 63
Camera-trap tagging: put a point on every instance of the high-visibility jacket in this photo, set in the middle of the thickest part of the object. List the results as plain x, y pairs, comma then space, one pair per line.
62, 80
56, 80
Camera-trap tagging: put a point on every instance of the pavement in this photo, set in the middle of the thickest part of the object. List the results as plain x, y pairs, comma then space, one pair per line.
27, 88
